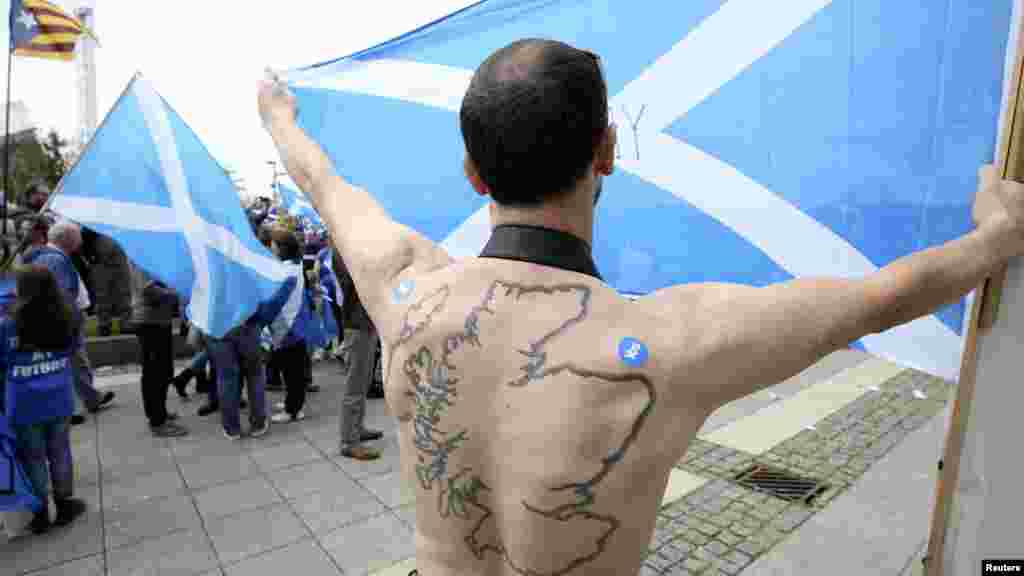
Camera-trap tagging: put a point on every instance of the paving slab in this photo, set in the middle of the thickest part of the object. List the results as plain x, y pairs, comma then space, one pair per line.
126, 491
184, 553
237, 537
308, 478
344, 503
392, 489
130, 524
201, 471
367, 547
305, 558
232, 498
276, 457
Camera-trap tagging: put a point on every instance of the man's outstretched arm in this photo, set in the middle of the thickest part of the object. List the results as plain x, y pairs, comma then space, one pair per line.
757, 337
375, 248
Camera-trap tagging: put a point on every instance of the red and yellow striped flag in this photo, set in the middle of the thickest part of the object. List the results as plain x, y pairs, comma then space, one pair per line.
40, 29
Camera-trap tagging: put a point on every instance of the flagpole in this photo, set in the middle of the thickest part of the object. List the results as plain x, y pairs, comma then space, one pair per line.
7, 143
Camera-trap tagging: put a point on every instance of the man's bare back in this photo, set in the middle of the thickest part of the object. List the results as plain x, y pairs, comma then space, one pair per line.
534, 445
539, 438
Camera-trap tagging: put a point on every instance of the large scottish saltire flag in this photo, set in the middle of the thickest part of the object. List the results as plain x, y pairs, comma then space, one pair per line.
147, 181
758, 141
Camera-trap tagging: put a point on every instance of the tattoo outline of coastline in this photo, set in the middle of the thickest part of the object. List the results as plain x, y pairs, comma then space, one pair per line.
409, 330
433, 397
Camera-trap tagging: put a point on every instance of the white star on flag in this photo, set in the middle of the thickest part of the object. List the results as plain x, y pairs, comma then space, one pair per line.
26, 20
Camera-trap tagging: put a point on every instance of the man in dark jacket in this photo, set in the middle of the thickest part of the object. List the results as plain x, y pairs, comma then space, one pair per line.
153, 306
362, 352
111, 283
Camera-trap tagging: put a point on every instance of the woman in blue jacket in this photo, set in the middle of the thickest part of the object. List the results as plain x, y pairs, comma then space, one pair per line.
37, 342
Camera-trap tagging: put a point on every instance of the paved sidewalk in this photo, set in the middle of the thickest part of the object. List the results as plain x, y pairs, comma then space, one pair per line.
205, 506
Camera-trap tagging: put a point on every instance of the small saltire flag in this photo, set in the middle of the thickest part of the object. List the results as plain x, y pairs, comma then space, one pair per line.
40, 29
147, 181
296, 204
292, 314
331, 290
758, 141
328, 280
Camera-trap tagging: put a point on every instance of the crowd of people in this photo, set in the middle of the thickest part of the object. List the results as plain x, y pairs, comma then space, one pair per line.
61, 267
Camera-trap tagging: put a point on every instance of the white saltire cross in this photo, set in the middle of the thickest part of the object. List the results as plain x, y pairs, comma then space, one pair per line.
181, 216
738, 35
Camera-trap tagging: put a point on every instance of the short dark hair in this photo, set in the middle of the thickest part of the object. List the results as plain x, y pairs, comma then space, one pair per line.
42, 317
532, 119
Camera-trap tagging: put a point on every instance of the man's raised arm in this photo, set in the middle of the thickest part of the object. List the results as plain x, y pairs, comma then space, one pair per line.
374, 246
751, 338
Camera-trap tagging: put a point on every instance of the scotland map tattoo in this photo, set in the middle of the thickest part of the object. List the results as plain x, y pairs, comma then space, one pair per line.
417, 317
571, 507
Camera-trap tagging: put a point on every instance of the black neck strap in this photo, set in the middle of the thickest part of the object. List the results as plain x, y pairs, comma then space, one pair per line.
542, 246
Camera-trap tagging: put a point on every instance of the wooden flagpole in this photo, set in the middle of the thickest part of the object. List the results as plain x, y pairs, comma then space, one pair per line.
1009, 165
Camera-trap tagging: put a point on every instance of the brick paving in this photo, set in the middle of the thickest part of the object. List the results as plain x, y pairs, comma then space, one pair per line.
723, 527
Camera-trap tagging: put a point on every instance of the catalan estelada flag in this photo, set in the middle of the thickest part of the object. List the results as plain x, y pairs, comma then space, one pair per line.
40, 29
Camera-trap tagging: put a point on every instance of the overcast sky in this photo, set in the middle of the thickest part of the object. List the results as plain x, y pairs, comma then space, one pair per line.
206, 56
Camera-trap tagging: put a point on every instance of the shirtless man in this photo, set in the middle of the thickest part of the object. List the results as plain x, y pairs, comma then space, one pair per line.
541, 412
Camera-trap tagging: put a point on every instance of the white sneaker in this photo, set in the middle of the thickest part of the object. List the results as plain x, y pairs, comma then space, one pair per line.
278, 405
284, 417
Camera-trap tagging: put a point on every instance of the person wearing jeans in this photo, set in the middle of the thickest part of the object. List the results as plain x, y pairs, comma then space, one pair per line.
239, 351
154, 305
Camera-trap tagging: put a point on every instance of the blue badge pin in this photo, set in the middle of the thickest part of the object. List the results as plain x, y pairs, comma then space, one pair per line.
403, 290
633, 352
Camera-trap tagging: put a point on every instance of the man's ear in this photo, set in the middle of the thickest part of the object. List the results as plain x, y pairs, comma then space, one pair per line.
604, 160
474, 177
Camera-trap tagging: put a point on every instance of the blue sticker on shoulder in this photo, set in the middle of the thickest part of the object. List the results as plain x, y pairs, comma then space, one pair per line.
632, 352
403, 290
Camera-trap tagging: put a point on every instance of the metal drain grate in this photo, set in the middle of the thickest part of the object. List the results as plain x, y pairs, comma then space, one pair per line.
780, 483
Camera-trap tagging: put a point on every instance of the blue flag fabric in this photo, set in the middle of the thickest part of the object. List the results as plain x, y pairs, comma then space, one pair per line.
173, 209
296, 204
758, 141
290, 314
15, 488
328, 281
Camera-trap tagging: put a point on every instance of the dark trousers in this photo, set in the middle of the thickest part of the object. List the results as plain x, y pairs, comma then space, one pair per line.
156, 350
307, 367
337, 319
289, 364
